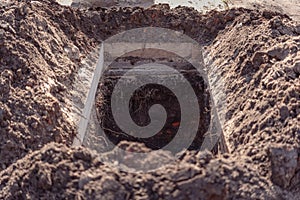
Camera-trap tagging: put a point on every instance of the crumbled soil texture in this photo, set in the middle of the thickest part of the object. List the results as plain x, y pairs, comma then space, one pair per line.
58, 172
39, 50
258, 57
291, 7
148, 95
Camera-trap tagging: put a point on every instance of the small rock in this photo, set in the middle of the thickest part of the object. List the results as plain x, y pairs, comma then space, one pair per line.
84, 179
83, 155
284, 113
290, 73
278, 53
296, 68
276, 22
19, 73
34, 125
259, 58
73, 52
45, 181
267, 14
283, 164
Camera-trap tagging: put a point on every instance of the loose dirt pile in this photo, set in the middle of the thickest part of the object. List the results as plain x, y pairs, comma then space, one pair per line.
257, 54
58, 172
39, 54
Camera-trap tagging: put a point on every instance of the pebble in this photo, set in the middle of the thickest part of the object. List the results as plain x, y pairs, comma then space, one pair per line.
19, 73
284, 112
284, 164
278, 53
34, 125
73, 52
296, 68
276, 23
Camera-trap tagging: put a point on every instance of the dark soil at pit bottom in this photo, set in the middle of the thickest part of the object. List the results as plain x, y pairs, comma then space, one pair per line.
150, 94
257, 54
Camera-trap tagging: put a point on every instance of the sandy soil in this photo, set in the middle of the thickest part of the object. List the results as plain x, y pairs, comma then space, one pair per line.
291, 7
256, 53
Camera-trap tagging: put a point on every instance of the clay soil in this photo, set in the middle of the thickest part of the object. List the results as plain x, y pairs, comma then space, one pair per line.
257, 53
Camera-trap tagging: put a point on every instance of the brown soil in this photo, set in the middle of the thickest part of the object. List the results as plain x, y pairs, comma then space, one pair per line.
58, 172
39, 55
258, 56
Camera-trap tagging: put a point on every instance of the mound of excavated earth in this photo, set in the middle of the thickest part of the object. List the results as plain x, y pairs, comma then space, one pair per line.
257, 54
59, 172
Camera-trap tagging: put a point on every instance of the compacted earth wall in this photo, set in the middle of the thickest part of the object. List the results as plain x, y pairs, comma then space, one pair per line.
256, 54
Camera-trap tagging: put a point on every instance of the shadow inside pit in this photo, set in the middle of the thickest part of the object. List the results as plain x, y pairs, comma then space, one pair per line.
148, 95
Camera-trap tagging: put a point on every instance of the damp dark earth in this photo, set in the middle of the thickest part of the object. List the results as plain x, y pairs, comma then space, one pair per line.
50, 148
